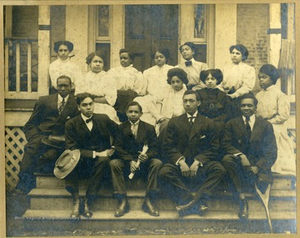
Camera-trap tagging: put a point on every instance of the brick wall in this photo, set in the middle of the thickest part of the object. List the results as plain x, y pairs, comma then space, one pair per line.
252, 25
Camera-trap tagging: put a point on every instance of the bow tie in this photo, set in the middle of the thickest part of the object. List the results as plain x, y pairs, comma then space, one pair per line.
89, 120
188, 63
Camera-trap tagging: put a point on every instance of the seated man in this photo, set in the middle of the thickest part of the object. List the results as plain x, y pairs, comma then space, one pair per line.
48, 119
136, 147
92, 135
251, 150
190, 146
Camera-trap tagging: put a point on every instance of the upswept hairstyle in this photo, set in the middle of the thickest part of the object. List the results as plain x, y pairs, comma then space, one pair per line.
69, 44
241, 48
180, 73
270, 70
90, 57
216, 73
189, 44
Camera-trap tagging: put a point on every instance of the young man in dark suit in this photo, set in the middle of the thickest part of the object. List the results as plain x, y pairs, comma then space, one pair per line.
136, 147
251, 150
49, 116
93, 135
190, 146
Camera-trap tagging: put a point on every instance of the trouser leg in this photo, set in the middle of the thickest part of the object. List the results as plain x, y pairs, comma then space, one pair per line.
211, 176
171, 183
153, 167
101, 169
117, 174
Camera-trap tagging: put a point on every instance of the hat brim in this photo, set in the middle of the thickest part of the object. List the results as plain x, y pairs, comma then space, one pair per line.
61, 174
57, 145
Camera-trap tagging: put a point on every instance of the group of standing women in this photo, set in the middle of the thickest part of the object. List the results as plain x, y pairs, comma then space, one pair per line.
159, 90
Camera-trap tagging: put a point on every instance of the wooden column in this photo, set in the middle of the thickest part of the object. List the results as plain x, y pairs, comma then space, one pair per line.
43, 50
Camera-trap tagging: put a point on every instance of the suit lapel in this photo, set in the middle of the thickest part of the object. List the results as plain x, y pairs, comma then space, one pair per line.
141, 133
196, 127
255, 130
84, 126
185, 125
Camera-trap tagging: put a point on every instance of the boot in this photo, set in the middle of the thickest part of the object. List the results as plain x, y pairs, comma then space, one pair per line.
149, 207
86, 209
75, 212
243, 213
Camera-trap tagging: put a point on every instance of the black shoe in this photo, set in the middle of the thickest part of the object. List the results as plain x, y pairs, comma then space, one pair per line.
86, 209
187, 209
243, 213
123, 207
203, 208
75, 212
149, 208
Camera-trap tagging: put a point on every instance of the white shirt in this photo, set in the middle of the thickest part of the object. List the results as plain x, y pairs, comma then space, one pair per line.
251, 121
90, 124
134, 127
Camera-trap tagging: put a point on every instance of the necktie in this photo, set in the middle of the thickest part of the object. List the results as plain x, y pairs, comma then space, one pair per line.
188, 63
62, 106
134, 129
248, 129
191, 120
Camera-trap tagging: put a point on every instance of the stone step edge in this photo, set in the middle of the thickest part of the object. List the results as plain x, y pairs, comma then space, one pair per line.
138, 215
41, 192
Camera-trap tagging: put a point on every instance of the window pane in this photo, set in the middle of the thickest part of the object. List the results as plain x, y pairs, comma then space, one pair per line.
200, 23
103, 20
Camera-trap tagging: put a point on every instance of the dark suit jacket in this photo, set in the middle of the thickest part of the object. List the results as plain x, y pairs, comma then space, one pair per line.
45, 118
199, 142
78, 136
127, 147
215, 104
262, 150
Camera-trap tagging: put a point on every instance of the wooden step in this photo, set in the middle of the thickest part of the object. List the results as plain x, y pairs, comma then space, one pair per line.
50, 181
61, 199
135, 222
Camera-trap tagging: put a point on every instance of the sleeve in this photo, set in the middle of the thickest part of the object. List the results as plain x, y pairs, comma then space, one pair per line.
53, 74
152, 143
31, 127
269, 156
248, 80
226, 140
110, 90
140, 84
170, 143
283, 110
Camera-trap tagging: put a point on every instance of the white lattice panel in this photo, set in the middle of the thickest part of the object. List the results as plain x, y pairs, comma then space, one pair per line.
14, 145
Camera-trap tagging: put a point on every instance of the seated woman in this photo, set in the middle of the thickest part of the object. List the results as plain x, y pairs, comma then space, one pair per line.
215, 104
171, 100
129, 82
63, 65
97, 83
156, 82
192, 67
274, 106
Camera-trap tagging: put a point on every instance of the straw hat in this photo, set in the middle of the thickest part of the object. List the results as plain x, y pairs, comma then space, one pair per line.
66, 163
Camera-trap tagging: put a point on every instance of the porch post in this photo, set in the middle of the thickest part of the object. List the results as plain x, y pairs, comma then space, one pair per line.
43, 50
226, 32
275, 39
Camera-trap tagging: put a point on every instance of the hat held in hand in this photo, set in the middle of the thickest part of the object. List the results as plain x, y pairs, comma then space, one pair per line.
66, 163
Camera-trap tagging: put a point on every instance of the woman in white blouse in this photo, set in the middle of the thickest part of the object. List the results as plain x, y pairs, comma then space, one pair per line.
98, 83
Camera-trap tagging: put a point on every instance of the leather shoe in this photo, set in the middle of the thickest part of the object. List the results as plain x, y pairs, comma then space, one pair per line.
203, 208
87, 212
243, 213
186, 209
149, 208
123, 207
75, 211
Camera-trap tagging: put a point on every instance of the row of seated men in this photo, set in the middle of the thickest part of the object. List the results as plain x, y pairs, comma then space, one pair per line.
187, 162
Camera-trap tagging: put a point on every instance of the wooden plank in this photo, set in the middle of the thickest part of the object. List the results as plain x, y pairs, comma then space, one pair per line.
18, 62
29, 73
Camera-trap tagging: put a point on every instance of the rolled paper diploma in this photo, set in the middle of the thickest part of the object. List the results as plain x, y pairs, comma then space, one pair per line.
144, 151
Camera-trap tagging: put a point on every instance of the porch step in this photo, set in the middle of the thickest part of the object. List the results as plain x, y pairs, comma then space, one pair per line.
50, 181
136, 221
44, 199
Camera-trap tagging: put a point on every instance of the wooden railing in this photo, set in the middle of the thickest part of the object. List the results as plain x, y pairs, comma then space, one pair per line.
21, 67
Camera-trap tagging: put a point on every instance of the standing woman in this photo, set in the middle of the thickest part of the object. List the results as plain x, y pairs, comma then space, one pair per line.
274, 106
63, 65
100, 85
192, 67
129, 81
156, 79
239, 77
